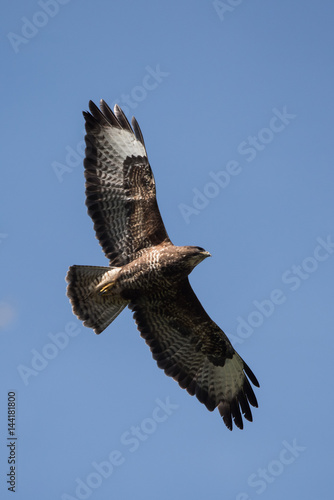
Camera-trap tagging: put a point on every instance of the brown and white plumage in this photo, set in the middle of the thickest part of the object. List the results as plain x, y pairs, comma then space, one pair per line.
120, 187
149, 274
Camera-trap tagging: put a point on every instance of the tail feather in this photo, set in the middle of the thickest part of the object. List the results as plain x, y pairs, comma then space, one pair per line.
86, 291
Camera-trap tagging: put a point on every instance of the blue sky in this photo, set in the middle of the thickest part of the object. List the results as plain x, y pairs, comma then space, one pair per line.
235, 101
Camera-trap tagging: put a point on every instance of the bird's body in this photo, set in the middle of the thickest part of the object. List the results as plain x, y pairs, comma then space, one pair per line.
150, 274
158, 268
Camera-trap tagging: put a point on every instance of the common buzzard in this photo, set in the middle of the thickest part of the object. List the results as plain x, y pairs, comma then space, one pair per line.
149, 274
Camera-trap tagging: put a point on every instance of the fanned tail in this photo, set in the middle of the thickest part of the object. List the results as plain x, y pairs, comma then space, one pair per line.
90, 292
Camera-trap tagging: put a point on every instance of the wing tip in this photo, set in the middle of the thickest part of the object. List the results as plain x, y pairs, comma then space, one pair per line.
104, 116
137, 131
251, 375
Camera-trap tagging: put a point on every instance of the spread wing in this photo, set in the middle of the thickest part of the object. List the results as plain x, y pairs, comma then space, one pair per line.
193, 350
120, 187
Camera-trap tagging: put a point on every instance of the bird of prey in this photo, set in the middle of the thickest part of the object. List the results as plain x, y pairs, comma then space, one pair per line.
149, 274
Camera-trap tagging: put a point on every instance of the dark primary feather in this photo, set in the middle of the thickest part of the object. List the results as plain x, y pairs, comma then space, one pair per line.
122, 119
137, 131
108, 113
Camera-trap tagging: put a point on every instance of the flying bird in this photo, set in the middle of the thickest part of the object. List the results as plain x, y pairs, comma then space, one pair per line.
149, 274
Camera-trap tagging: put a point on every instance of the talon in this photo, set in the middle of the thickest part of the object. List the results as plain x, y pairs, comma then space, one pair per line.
106, 288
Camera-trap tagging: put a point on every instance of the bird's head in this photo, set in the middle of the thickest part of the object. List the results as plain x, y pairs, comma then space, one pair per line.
195, 255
